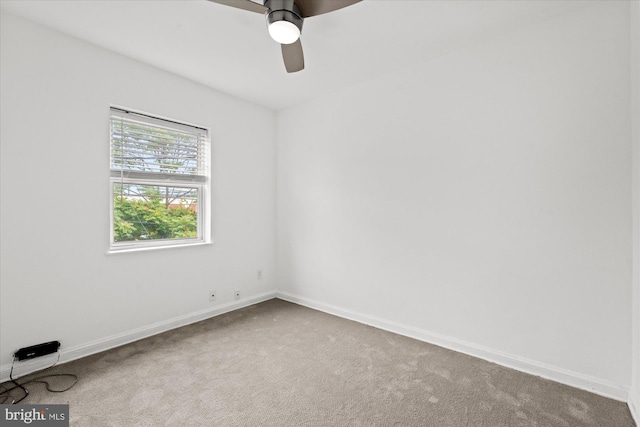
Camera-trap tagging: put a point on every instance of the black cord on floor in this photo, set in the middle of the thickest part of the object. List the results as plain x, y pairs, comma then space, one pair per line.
5, 396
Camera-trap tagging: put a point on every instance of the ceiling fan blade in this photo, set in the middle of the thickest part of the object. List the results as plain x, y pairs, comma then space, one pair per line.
293, 56
243, 4
318, 7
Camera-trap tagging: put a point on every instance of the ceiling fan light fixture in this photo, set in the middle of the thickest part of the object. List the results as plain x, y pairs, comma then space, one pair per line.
284, 32
284, 21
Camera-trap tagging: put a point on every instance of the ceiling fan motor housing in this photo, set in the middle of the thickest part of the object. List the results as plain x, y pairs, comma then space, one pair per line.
284, 10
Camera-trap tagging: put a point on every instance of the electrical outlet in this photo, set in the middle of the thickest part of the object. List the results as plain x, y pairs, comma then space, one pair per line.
259, 274
236, 294
212, 295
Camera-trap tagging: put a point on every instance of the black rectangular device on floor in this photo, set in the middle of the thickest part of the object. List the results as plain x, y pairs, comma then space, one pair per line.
37, 350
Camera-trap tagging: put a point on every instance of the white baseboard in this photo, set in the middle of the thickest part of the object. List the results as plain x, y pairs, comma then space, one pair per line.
554, 373
563, 376
99, 345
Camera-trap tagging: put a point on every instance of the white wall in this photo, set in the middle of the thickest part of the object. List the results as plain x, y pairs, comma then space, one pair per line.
481, 199
634, 401
56, 280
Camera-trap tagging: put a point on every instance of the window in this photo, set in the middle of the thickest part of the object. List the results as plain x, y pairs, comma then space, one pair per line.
159, 182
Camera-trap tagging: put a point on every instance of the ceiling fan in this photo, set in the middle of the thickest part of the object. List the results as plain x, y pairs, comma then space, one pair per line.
284, 20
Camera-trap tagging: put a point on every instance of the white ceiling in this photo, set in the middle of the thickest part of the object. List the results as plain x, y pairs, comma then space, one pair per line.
230, 50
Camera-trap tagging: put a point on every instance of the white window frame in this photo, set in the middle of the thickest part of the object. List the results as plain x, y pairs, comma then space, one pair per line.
202, 185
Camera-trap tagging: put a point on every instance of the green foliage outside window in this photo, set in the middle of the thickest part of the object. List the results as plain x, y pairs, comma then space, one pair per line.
153, 217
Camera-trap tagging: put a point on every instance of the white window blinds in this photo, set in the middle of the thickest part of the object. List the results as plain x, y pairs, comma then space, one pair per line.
146, 148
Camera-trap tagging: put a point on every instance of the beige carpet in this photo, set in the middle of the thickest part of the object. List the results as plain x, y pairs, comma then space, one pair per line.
279, 364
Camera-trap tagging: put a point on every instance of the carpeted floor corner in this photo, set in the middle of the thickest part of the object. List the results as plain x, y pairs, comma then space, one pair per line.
280, 364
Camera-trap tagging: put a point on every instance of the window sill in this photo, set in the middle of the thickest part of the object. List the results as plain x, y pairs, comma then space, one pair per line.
155, 248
